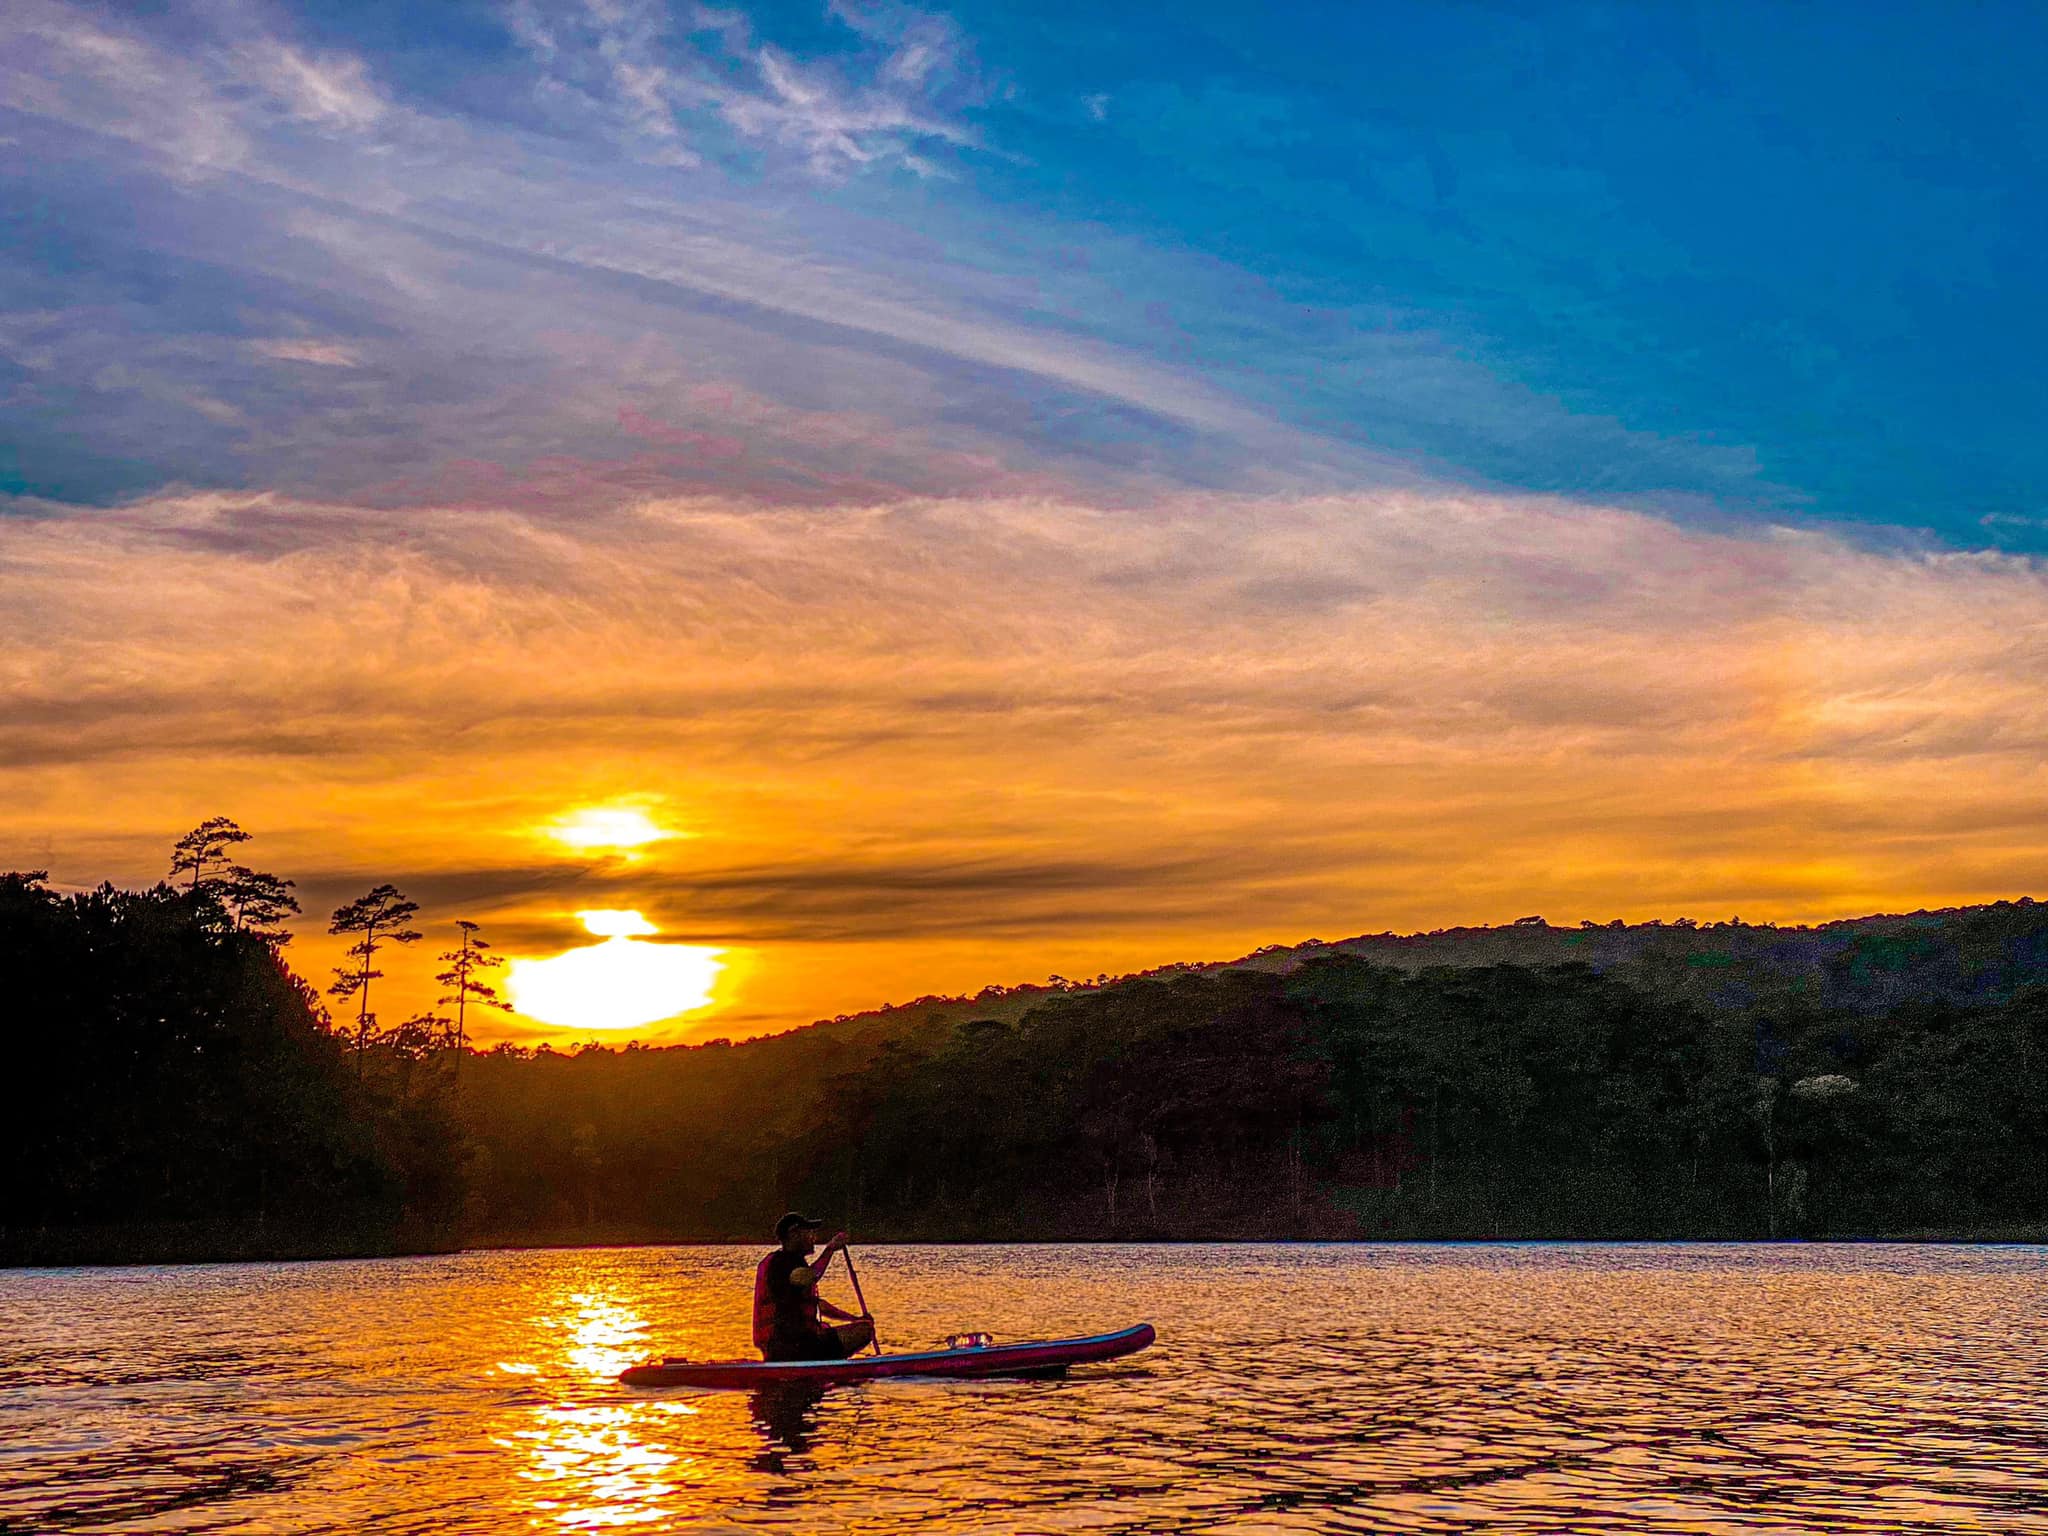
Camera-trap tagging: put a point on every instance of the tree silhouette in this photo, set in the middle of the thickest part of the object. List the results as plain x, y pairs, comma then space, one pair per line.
169, 1071
253, 900
417, 1039
198, 851
259, 902
380, 917
467, 963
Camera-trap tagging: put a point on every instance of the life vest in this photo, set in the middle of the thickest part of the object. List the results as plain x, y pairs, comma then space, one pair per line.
764, 1299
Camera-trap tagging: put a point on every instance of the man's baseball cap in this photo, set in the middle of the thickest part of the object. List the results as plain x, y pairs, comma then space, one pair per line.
791, 1219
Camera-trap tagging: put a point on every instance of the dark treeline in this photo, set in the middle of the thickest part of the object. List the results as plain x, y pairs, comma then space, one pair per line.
177, 1091
174, 1086
181, 1092
1340, 1099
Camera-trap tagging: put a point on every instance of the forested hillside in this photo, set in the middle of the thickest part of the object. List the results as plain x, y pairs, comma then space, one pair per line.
176, 1091
1342, 1098
1887, 1076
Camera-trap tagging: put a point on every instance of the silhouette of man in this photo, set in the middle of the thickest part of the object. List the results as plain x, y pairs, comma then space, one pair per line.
787, 1306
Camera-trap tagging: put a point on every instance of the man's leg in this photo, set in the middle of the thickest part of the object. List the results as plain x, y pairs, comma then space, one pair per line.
854, 1337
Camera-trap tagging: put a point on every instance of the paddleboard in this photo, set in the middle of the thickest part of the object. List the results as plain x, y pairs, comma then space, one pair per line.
1047, 1358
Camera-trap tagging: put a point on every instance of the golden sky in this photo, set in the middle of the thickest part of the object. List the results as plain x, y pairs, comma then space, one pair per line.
926, 745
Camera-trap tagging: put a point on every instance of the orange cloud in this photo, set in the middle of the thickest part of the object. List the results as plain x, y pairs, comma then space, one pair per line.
925, 745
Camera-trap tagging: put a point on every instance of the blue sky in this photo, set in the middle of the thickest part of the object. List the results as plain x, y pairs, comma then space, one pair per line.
1749, 262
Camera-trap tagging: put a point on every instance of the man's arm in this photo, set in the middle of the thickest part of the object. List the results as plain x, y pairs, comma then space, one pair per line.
817, 1269
824, 1258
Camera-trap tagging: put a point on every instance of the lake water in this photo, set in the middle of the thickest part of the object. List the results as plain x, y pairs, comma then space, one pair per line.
1317, 1388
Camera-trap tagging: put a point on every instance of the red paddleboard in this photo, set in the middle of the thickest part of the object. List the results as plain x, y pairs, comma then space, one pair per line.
1044, 1359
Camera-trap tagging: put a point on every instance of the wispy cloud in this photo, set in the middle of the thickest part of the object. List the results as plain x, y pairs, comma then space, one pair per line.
669, 76
507, 292
333, 91
66, 64
322, 354
946, 741
503, 297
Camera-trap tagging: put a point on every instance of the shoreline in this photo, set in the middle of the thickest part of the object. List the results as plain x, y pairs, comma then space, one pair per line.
99, 1248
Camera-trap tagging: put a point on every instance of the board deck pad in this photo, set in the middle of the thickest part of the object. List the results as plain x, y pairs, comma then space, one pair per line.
1044, 1358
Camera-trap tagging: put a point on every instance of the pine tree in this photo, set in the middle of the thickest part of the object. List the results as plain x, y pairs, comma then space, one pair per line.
380, 917
198, 851
467, 964
259, 902
252, 900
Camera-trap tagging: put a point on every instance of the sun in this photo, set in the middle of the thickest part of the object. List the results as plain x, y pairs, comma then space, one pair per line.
608, 828
619, 984
615, 923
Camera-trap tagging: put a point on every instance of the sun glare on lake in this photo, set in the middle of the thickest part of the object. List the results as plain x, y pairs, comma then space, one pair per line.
622, 983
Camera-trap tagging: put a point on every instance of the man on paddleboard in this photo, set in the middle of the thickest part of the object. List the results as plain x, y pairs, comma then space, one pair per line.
787, 1306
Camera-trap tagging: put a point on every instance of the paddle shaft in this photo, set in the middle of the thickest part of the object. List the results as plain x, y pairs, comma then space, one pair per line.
874, 1337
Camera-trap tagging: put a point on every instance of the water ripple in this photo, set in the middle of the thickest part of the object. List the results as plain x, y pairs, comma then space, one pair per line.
1725, 1390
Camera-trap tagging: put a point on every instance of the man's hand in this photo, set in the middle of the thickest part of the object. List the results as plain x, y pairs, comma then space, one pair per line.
837, 1244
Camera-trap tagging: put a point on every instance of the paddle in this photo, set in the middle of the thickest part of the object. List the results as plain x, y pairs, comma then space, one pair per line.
874, 1334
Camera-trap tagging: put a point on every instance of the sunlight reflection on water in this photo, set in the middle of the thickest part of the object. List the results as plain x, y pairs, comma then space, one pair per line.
593, 1470
1400, 1388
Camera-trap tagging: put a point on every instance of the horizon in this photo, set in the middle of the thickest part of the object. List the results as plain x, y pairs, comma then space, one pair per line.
874, 496
701, 1027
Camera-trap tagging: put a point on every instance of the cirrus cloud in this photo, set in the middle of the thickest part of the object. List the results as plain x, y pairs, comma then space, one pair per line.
948, 741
